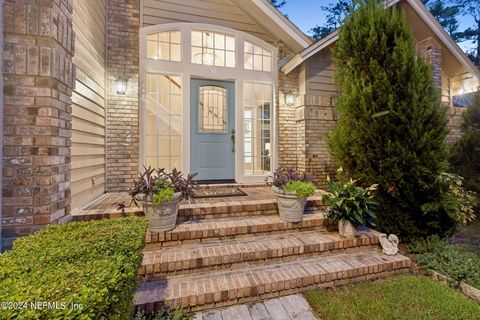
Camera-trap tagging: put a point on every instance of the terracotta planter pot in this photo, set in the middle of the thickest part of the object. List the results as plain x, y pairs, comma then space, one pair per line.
290, 207
346, 228
162, 217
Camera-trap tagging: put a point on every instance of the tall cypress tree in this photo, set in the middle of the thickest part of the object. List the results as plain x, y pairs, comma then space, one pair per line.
465, 155
391, 127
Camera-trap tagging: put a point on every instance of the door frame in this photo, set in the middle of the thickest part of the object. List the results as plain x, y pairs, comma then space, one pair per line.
188, 71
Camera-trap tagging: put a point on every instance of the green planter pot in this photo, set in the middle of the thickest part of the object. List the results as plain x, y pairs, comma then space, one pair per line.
162, 217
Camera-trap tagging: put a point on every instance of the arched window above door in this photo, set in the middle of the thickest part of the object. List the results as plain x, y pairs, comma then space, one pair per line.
213, 48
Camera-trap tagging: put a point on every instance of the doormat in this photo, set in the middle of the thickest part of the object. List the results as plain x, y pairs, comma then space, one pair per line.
218, 192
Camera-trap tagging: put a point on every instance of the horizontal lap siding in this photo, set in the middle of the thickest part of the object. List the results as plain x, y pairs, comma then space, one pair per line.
218, 12
320, 72
88, 103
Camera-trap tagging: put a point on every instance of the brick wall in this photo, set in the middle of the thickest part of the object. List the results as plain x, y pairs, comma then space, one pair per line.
303, 126
455, 116
288, 148
123, 25
38, 80
316, 117
432, 51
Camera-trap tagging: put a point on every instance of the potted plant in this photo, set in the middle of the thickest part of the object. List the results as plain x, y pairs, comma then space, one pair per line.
292, 189
350, 205
160, 193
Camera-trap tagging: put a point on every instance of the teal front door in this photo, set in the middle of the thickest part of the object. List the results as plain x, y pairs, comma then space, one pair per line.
212, 130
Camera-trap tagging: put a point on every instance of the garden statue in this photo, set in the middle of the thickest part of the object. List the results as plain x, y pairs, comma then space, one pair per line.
390, 244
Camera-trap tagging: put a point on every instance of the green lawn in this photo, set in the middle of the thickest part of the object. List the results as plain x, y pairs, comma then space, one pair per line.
402, 297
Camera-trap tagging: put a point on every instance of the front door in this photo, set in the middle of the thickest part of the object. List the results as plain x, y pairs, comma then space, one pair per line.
212, 123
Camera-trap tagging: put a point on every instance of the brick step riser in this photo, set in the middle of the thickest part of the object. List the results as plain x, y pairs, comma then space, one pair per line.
280, 288
241, 260
221, 211
173, 238
206, 212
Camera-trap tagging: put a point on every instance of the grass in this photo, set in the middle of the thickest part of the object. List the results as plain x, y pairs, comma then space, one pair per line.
402, 297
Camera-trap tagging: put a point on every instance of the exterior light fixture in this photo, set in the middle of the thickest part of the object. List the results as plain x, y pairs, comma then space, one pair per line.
289, 99
122, 85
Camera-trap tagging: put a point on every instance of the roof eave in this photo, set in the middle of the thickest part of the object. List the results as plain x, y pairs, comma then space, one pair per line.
278, 24
298, 59
421, 10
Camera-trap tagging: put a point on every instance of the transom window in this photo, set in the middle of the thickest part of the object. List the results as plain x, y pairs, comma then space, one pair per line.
164, 46
212, 109
212, 48
257, 58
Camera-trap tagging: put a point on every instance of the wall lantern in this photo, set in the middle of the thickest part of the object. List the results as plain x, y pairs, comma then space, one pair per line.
289, 99
122, 85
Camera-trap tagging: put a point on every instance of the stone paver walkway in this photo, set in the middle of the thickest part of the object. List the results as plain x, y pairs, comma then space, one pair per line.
293, 307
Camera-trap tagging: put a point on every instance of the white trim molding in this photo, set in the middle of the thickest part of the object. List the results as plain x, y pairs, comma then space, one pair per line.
187, 71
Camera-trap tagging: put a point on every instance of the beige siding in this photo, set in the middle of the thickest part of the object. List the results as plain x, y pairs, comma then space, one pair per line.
320, 71
88, 108
219, 12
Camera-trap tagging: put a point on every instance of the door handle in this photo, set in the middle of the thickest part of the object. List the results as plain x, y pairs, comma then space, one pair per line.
233, 140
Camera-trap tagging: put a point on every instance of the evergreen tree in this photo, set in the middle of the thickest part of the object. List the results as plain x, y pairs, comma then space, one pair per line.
472, 8
391, 127
465, 159
278, 4
335, 14
446, 15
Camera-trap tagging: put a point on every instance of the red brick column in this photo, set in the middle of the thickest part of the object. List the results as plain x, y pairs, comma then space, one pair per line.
123, 24
38, 80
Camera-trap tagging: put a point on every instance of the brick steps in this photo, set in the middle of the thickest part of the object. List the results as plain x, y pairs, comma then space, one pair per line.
252, 283
189, 211
207, 210
196, 231
236, 253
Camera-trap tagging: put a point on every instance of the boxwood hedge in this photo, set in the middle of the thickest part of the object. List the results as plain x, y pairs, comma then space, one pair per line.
80, 270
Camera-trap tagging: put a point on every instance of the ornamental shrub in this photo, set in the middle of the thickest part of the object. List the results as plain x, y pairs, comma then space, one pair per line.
465, 155
163, 195
91, 264
349, 202
301, 189
449, 260
165, 313
391, 127
457, 202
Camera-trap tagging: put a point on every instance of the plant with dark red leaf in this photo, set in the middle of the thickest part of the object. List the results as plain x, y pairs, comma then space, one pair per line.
181, 184
284, 176
151, 181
